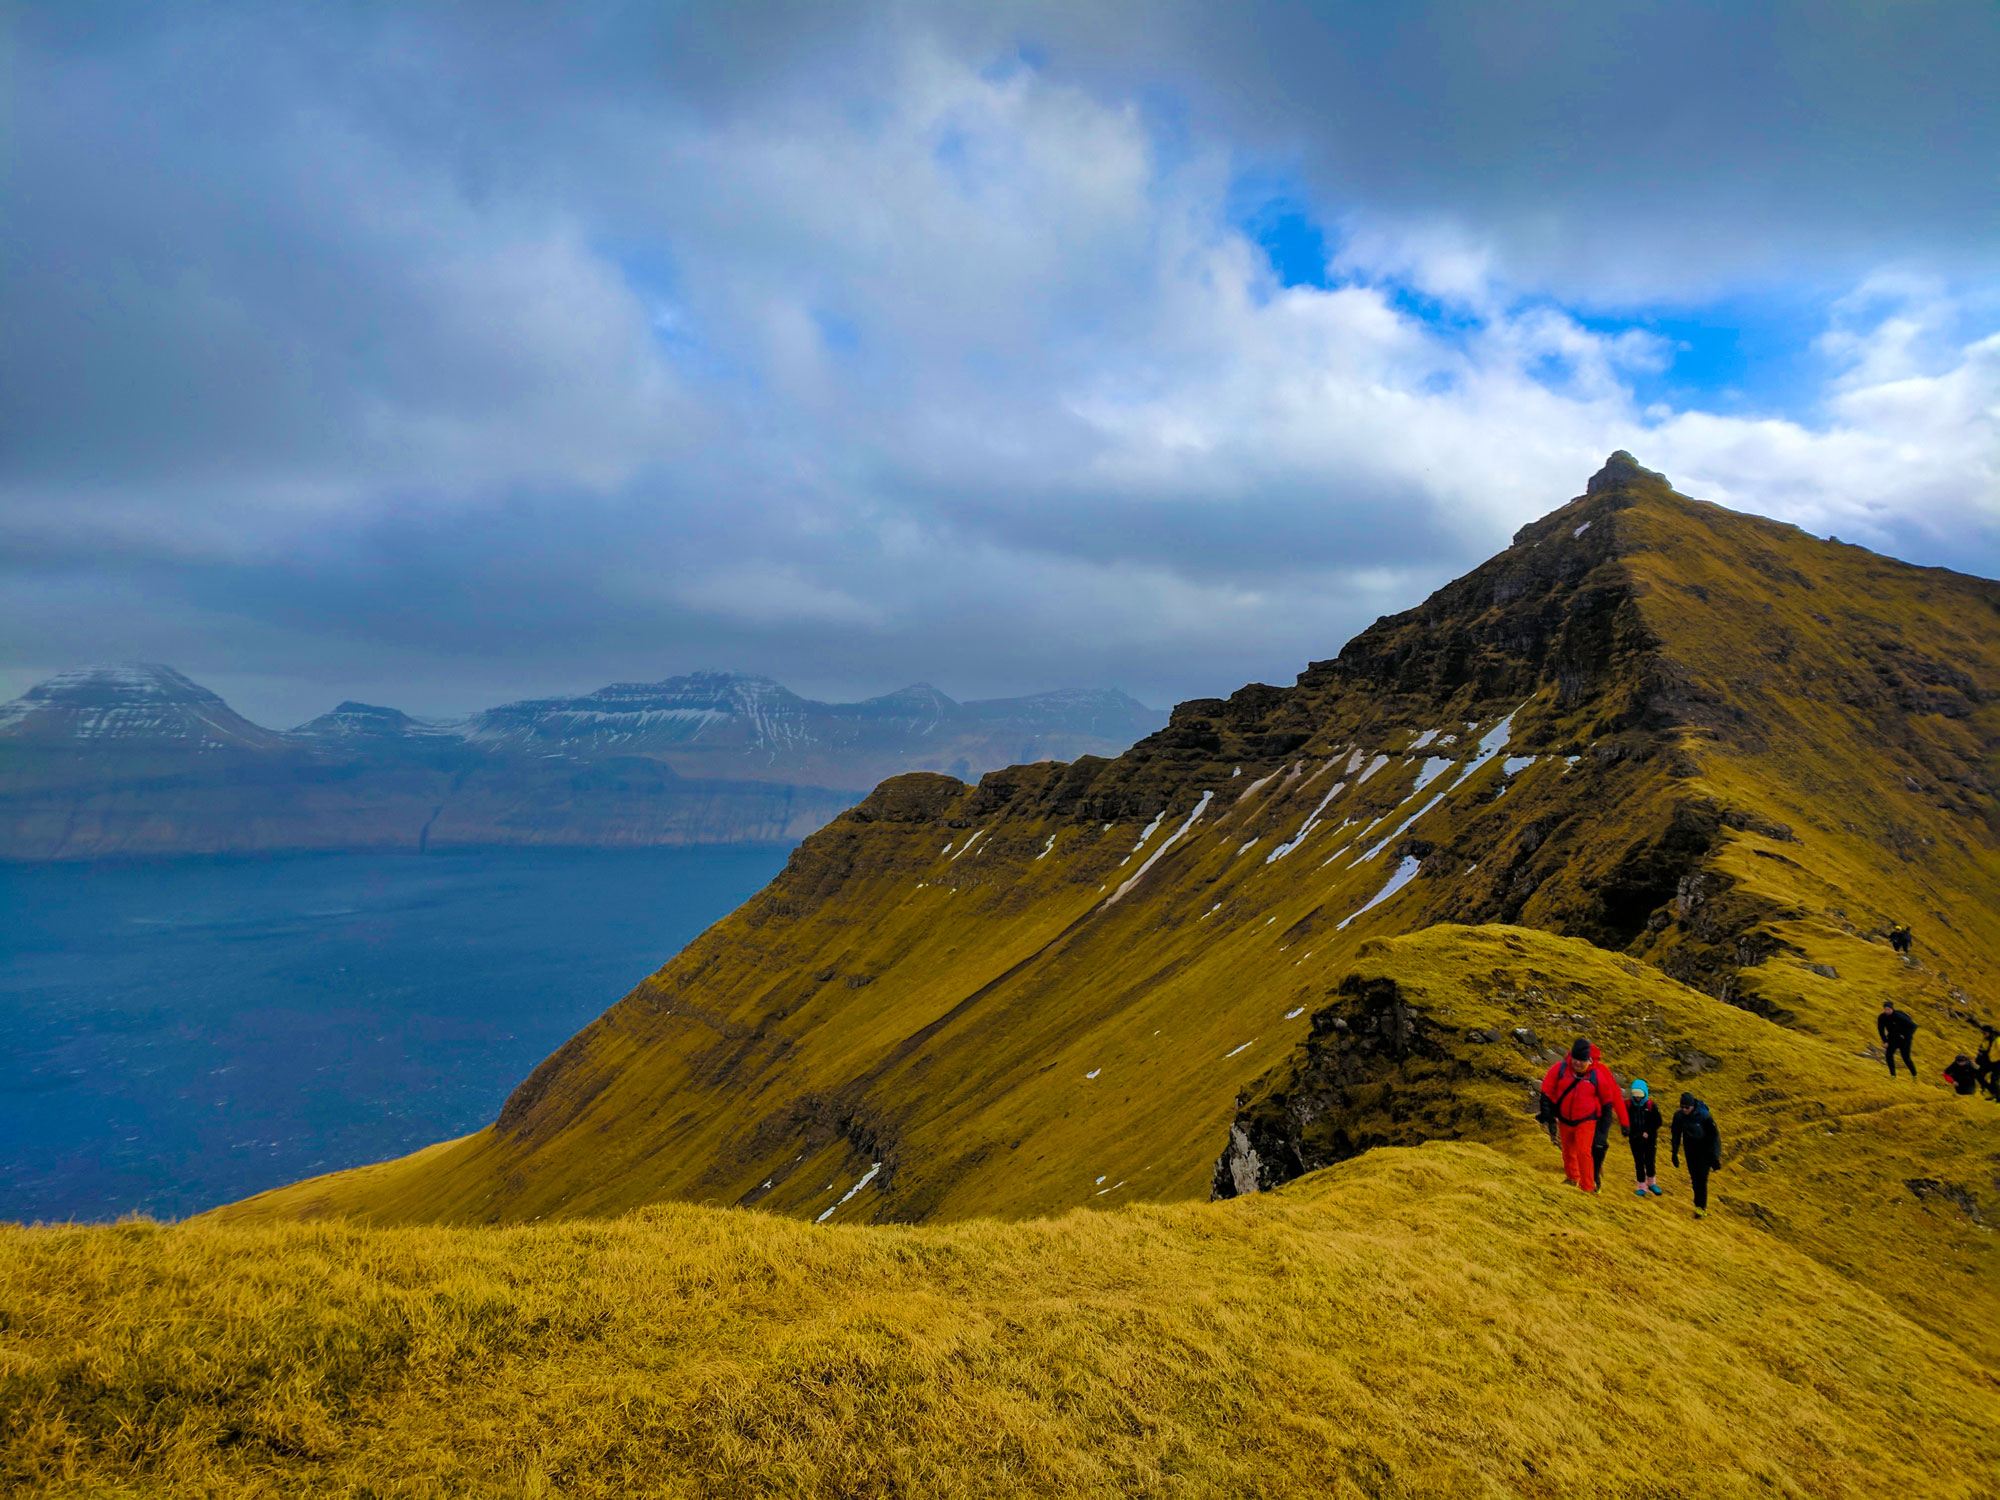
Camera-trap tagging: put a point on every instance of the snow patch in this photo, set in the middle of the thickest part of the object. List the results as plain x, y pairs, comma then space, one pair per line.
1514, 765
1306, 827
1251, 789
1390, 836
866, 1178
966, 848
1431, 769
1373, 766
1423, 739
1047, 847
1293, 1015
1581, 529
1086, 1078
1405, 872
1151, 829
1245, 849
1244, 1048
1172, 839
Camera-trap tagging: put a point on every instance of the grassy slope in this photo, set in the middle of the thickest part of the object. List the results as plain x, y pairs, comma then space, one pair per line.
1750, 797
901, 996
1438, 1319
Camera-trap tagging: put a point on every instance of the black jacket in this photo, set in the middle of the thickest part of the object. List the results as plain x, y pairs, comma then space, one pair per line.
1697, 1134
1895, 1028
1645, 1122
1964, 1076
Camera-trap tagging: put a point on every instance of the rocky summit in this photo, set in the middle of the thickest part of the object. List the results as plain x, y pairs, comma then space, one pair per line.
1165, 1123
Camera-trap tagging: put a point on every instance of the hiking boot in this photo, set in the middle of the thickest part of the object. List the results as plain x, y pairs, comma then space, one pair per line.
1657, 1191
1638, 1192
1701, 1213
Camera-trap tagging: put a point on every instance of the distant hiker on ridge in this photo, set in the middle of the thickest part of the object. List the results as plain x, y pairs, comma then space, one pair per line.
1601, 1142
1896, 1028
1695, 1129
1962, 1075
1576, 1097
1987, 1064
1899, 937
1644, 1134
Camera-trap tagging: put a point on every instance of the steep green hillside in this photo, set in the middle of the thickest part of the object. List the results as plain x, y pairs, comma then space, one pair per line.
1710, 742
1423, 1320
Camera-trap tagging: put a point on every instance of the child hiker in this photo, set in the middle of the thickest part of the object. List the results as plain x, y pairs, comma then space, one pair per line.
1645, 1137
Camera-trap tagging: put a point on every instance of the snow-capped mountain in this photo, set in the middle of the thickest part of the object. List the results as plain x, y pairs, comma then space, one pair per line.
129, 704
138, 759
711, 719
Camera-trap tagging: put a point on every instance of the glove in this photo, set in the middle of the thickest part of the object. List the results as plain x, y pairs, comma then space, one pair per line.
1626, 1131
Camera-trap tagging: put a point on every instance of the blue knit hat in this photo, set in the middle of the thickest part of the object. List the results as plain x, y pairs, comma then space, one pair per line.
1639, 1088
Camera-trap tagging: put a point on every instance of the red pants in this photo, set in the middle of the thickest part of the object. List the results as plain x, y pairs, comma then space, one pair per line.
1576, 1143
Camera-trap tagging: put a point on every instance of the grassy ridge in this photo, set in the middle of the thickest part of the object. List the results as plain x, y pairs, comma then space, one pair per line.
1441, 1318
1444, 1319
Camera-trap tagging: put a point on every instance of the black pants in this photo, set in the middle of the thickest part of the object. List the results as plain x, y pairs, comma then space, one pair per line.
1903, 1047
1698, 1170
1645, 1157
1600, 1144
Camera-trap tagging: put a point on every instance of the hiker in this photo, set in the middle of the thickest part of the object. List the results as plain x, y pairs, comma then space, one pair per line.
1575, 1091
1600, 1144
1962, 1075
1695, 1130
1643, 1132
1987, 1064
1899, 937
1896, 1027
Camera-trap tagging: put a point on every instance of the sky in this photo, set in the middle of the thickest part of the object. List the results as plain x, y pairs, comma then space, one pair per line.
438, 356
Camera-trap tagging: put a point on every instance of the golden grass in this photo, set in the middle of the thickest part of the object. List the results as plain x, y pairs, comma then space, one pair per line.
1437, 1320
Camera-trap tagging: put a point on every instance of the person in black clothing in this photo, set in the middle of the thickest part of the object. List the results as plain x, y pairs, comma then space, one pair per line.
1644, 1133
1695, 1131
1899, 937
1986, 1064
1961, 1075
1895, 1027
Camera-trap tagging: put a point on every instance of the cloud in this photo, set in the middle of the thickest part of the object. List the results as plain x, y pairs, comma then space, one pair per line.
866, 346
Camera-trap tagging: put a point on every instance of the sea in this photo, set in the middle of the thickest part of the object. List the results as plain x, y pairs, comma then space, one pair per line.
179, 1034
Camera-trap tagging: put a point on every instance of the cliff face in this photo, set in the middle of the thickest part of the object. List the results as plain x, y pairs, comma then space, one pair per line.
1712, 746
138, 760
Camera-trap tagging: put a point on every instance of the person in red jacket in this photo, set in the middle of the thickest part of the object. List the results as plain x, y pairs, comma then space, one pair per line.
1578, 1093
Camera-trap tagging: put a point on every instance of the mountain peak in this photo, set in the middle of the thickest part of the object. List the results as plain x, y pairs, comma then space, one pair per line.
1622, 471
129, 703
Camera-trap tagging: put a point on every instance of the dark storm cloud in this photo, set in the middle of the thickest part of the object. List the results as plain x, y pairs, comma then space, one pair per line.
1626, 147
458, 347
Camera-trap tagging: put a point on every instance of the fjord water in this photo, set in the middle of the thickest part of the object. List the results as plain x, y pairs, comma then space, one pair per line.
175, 1035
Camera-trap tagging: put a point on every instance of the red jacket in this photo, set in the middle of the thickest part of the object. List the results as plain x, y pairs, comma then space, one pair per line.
1582, 1095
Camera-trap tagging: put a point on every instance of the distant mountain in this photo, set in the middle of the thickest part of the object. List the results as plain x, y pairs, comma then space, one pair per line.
136, 759
729, 725
134, 704
351, 721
